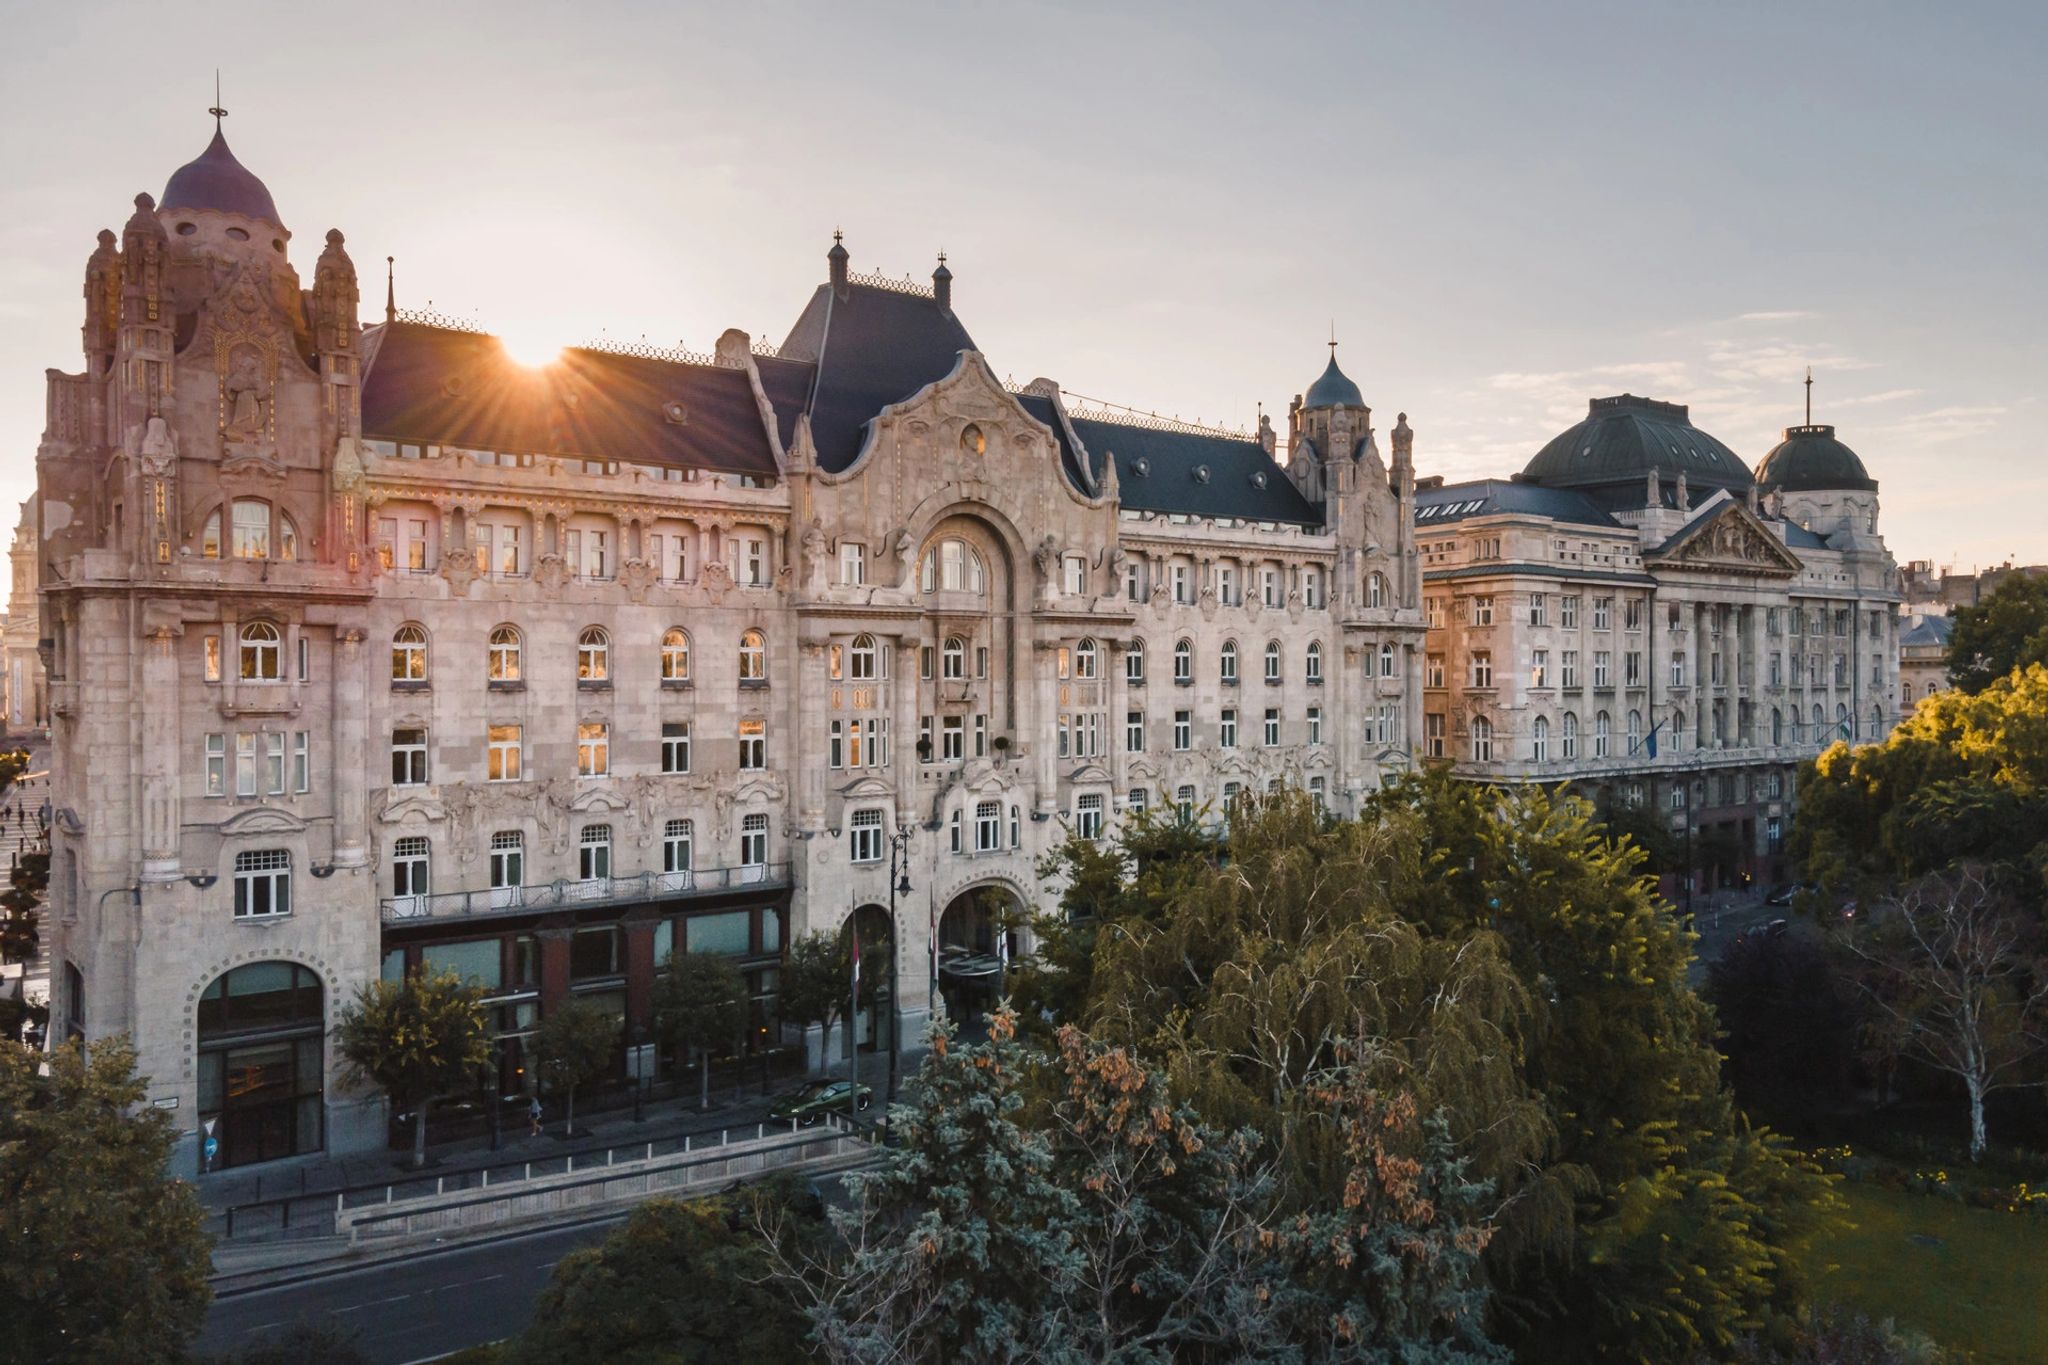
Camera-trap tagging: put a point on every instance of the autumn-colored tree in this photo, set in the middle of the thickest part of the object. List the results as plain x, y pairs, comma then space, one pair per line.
102, 1258
416, 1040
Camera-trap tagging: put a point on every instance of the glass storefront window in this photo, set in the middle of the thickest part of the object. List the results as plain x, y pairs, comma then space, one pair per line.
771, 930
594, 952
394, 966
526, 960
664, 942
477, 961
729, 933
261, 1062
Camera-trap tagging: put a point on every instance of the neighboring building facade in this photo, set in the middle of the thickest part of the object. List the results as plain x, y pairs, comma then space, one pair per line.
1940, 591
25, 702
1923, 657
1639, 615
372, 648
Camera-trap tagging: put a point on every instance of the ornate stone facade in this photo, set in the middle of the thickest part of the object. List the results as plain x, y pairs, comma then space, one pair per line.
373, 648
1638, 618
24, 699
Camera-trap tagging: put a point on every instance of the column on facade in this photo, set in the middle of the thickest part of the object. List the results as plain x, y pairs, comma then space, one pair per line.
1114, 649
351, 742
1702, 674
903, 685
637, 928
810, 727
1044, 695
159, 741
1759, 645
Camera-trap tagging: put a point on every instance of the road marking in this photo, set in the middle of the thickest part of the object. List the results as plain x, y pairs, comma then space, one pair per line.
373, 1303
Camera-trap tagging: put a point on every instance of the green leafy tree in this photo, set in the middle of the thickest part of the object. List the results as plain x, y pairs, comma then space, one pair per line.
700, 1002
321, 1341
415, 1040
815, 981
574, 1046
2007, 631
678, 1284
20, 934
101, 1257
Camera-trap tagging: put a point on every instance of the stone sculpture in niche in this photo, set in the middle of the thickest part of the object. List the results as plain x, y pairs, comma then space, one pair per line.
248, 394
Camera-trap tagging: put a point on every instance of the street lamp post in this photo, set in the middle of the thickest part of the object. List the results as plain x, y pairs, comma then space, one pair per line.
899, 885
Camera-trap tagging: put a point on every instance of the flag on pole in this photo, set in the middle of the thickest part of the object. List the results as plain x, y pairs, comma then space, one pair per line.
1650, 740
1003, 949
854, 929
932, 942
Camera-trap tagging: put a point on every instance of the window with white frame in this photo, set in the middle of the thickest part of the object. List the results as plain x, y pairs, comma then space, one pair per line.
508, 859
1375, 589
1226, 663
1272, 661
503, 754
1183, 583
594, 853
1076, 575
1433, 734
1226, 729
1269, 585
952, 738
675, 746
1482, 611
753, 744
1085, 659
988, 827
593, 748
263, 883
1569, 728
593, 655
409, 756
677, 838
262, 652
1312, 664
1272, 726
1482, 668
409, 654
409, 857
1136, 799
1184, 800
1183, 663
754, 841
675, 655
1134, 580
1312, 587
503, 658
1088, 816
853, 563
215, 749
1386, 661
1315, 725
1183, 730
863, 659
747, 559
1433, 670
1568, 612
1603, 613
1482, 740
753, 657
954, 566
1134, 662
1134, 732
1226, 585
1602, 732
1539, 739
953, 659
864, 836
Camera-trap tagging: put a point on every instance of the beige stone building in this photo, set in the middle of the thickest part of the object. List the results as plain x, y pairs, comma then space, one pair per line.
1638, 614
1923, 656
24, 700
371, 647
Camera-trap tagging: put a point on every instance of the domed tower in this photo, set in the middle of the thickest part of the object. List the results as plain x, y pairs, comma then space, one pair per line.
1817, 481
1334, 460
1328, 428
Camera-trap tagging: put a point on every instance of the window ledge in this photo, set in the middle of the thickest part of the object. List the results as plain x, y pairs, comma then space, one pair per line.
676, 684
505, 685
593, 684
750, 684
411, 685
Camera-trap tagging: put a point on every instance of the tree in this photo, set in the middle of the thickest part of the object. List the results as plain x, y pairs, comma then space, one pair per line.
415, 1040
1789, 1021
574, 1046
2007, 631
19, 932
679, 1283
101, 1258
1958, 983
700, 1002
815, 980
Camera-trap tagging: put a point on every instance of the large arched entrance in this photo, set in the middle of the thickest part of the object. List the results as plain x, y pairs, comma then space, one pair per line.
980, 935
874, 1026
261, 1060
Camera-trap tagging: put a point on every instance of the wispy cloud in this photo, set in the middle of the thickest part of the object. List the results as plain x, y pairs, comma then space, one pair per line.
1783, 315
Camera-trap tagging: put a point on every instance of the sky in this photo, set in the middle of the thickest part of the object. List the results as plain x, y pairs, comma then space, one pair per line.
1502, 210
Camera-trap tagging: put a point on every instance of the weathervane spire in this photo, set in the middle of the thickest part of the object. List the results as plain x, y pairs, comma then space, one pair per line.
1809, 395
217, 112
390, 289
1333, 338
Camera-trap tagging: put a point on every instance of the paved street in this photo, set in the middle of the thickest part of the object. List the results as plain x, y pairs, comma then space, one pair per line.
417, 1308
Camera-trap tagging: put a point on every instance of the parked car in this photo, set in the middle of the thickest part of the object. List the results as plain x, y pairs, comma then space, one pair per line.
816, 1100
1785, 894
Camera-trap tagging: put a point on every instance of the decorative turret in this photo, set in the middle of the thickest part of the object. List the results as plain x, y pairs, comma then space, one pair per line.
1329, 429
942, 285
835, 263
102, 304
334, 298
142, 264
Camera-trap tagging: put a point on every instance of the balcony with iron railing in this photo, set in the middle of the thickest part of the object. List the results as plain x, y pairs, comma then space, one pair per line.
574, 893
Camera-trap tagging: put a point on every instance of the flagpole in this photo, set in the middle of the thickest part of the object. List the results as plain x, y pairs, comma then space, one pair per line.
853, 1031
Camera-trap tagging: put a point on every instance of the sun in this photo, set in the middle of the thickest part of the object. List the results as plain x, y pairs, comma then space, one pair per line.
529, 347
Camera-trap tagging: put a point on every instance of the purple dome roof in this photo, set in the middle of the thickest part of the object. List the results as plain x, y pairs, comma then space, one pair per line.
219, 182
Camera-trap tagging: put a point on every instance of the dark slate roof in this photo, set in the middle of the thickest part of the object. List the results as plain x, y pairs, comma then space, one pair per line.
1198, 474
459, 388
1931, 631
1332, 389
870, 347
1799, 538
217, 181
1611, 454
1811, 458
1449, 503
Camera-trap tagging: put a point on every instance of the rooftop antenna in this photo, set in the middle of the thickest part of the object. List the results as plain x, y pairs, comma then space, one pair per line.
1809, 395
390, 290
217, 112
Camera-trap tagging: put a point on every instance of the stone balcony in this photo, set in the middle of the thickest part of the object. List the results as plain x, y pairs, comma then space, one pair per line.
577, 893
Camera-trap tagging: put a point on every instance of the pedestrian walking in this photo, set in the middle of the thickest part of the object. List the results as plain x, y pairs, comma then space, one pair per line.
533, 1118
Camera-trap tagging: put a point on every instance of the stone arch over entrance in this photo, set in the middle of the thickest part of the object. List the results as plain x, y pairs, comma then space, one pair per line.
980, 937
875, 1026
260, 1043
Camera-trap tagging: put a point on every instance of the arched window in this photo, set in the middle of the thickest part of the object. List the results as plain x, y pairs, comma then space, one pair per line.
1602, 730
676, 846
1482, 740
753, 657
953, 566
1386, 661
1227, 661
1820, 725
409, 654
502, 664
1841, 730
1876, 722
1134, 662
861, 658
1183, 662
1084, 659
260, 1050
1272, 661
1571, 735
262, 652
1539, 739
675, 655
953, 658
1677, 728
1635, 731
593, 655
1376, 589
1777, 726
1312, 666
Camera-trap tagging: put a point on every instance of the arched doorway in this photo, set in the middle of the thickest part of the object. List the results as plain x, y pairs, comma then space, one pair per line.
262, 1056
979, 937
874, 1025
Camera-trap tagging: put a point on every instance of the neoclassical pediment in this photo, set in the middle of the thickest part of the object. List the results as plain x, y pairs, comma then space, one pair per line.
1089, 773
408, 806
867, 789
262, 820
599, 800
1730, 539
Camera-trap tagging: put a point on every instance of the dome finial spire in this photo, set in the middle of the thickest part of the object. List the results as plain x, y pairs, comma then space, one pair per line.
1333, 338
1809, 395
217, 112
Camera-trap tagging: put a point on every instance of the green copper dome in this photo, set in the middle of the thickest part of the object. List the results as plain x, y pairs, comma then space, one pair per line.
1333, 390
1623, 440
1811, 459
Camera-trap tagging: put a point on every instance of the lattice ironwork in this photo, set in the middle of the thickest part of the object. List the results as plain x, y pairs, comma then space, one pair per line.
906, 285
441, 320
647, 350
1102, 410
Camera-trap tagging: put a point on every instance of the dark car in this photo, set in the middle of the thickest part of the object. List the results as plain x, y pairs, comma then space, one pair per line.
1783, 895
816, 1100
